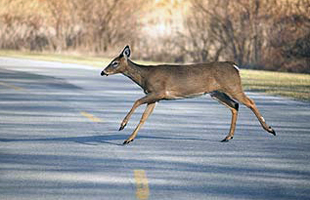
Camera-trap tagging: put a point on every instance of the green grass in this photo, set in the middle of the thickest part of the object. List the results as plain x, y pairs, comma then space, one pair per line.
296, 86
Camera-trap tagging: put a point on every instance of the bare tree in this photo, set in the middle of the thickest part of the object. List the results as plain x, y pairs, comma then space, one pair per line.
196, 40
288, 46
233, 29
105, 23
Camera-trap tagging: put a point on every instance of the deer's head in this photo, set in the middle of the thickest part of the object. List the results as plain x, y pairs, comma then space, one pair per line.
118, 64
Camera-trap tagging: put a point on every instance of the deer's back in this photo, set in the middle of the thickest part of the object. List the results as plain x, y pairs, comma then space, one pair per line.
191, 80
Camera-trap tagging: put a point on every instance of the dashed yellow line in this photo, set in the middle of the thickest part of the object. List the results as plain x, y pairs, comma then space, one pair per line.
11, 86
142, 186
91, 117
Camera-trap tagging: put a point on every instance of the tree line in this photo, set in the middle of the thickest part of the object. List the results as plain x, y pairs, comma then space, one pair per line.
259, 34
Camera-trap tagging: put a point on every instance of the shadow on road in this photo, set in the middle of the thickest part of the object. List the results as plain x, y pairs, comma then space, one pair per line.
94, 140
35, 80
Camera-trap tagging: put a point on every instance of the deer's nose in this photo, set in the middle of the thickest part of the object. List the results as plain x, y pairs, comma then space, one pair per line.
103, 73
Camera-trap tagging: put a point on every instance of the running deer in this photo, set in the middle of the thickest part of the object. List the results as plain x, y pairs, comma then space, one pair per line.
167, 82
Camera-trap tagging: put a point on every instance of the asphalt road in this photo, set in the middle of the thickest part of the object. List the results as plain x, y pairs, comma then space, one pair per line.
59, 139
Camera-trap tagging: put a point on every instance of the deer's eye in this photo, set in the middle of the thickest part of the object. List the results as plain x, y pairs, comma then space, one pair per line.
114, 64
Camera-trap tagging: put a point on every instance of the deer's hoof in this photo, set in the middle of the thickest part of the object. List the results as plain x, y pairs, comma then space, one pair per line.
122, 127
227, 139
127, 141
272, 131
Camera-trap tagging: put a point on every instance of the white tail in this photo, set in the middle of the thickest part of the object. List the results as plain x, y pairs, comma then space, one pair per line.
167, 82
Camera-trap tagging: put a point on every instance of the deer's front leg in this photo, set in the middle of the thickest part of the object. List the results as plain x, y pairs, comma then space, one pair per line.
148, 110
150, 98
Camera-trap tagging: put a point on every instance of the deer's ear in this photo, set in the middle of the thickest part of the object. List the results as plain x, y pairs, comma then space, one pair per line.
126, 52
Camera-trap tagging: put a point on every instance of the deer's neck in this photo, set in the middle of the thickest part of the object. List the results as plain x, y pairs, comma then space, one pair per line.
136, 73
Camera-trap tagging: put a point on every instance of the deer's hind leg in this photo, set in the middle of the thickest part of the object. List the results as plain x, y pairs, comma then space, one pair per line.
242, 98
233, 106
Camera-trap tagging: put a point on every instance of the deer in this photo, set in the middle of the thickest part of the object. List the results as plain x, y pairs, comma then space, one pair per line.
177, 81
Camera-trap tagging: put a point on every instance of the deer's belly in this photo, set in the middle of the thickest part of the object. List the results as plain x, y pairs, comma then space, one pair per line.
170, 95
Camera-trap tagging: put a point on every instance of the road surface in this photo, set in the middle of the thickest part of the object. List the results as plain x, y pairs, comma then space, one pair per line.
59, 139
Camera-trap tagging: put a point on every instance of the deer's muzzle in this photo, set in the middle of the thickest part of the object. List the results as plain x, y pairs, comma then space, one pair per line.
103, 73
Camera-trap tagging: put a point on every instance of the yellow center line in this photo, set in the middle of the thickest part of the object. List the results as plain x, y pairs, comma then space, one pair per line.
11, 86
142, 186
91, 117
